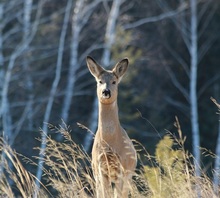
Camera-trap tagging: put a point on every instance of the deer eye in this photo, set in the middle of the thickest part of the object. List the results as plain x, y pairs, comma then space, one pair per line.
114, 82
100, 82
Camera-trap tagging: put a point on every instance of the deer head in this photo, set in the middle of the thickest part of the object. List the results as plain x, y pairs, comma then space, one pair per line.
107, 80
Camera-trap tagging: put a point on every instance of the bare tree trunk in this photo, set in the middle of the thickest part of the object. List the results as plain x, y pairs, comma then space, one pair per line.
1, 45
52, 95
74, 65
1, 77
191, 41
193, 87
110, 32
82, 12
216, 173
216, 176
29, 82
92, 126
106, 59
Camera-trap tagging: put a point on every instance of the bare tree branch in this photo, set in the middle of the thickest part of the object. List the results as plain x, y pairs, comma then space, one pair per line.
179, 105
176, 83
180, 59
89, 51
207, 84
206, 46
206, 21
182, 25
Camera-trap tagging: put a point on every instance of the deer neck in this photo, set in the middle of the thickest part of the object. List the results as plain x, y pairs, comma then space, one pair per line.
108, 119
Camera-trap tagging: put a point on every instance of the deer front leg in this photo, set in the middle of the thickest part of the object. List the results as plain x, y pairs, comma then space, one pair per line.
122, 187
121, 190
118, 188
103, 185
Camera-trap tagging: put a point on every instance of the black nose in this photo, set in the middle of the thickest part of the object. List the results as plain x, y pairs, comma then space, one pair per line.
106, 93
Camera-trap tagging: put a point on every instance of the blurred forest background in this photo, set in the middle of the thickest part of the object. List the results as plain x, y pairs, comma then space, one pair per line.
174, 52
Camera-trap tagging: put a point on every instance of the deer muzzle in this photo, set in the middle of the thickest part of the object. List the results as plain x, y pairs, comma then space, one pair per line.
106, 93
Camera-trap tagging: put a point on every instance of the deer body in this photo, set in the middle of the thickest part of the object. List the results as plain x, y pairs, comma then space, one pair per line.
113, 154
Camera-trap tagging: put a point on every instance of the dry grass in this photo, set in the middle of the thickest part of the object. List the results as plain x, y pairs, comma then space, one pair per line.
14, 177
67, 172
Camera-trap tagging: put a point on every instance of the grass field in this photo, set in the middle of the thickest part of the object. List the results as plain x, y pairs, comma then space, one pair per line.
67, 172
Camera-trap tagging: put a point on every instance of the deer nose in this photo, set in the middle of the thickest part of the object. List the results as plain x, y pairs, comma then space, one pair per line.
106, 93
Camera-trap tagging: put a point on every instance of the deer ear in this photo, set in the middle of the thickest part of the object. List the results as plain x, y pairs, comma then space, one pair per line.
120, 68
94, 68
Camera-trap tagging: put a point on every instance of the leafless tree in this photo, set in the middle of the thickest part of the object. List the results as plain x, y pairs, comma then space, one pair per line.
10, 127
5, 114
190, 34
81, 15
52, 94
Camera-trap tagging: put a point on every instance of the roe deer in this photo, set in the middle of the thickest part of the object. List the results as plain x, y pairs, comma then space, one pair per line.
113, 154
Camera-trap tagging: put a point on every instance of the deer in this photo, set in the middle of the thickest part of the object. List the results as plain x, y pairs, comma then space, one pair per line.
114, 157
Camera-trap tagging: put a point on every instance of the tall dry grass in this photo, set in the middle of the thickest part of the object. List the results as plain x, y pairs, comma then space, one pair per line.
15, 180
67, 172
